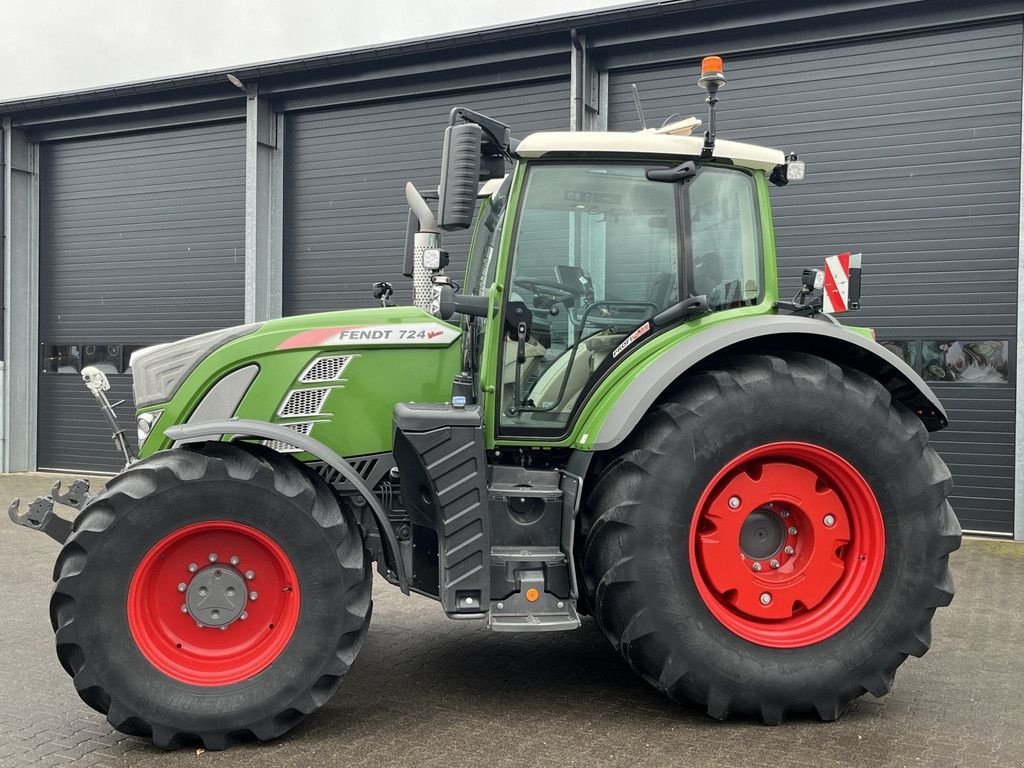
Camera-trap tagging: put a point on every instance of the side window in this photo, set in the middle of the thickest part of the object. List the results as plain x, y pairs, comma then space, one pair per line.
725, 237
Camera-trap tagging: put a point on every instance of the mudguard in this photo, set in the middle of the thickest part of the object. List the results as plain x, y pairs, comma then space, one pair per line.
241, 428
763, 334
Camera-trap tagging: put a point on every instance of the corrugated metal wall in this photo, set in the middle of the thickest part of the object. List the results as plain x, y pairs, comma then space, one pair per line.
141, 241
345, 173
913, 152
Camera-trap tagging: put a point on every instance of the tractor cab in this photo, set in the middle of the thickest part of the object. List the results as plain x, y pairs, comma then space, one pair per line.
591, 247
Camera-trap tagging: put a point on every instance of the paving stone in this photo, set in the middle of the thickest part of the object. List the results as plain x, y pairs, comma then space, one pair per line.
426, 691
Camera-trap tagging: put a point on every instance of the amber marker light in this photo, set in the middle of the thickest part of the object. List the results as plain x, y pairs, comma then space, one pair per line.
711, 73
532, 595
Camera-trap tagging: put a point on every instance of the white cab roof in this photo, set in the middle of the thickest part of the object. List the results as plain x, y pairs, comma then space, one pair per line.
647, 143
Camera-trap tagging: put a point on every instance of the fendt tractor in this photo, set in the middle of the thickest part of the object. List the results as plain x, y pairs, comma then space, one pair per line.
613, 414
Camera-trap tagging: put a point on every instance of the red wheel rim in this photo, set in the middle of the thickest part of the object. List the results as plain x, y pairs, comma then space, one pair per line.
231, 631
787, 544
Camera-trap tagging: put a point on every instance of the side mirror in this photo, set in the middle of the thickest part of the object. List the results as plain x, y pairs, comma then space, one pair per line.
460, 176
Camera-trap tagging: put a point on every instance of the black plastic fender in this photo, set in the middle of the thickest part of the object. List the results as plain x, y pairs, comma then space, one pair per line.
243, 428
765, 334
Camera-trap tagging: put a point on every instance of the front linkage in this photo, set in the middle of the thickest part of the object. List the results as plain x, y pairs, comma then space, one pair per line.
40, 515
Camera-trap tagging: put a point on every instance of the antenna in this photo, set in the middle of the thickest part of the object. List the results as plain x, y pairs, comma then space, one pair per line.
639, 109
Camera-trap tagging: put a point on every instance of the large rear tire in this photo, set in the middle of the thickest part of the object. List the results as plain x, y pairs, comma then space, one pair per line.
211, 595
773, 539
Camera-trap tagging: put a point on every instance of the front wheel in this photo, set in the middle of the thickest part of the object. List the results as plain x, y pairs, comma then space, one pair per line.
772, 540
211, 595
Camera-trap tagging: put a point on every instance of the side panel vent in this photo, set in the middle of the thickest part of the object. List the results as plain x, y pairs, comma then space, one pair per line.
304, 402
302, 428
325, 369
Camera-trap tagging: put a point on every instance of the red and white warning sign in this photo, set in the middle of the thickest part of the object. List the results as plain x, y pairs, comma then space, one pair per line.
836, 291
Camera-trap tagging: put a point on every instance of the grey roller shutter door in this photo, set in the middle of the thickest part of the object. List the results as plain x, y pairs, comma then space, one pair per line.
141, 241
345, 173
913, 152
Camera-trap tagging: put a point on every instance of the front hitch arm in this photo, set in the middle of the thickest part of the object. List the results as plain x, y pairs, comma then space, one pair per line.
40, 515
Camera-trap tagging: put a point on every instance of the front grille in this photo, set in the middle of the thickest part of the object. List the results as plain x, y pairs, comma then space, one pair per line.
303, 402
303, 428
325, 369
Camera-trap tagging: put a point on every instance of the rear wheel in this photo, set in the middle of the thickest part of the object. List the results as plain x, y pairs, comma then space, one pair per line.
211, 595
772, 540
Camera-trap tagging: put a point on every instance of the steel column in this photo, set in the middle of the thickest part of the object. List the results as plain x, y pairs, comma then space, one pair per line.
1018, 474
21, 299
264, 141
585, 104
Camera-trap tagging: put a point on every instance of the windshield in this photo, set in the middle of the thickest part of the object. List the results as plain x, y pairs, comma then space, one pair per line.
598, 251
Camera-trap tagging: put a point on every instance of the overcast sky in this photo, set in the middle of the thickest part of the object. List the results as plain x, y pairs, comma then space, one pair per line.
47, 46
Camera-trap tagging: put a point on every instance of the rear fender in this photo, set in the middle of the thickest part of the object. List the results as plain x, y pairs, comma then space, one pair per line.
761, 335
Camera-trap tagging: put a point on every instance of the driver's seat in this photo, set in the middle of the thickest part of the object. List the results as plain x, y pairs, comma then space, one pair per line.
589, 356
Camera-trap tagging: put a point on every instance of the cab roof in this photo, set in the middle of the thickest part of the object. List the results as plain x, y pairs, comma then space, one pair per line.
646, 143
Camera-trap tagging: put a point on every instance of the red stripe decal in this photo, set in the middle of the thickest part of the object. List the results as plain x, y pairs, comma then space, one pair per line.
317, 337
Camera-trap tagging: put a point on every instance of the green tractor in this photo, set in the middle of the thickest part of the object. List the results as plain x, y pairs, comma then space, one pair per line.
613, 415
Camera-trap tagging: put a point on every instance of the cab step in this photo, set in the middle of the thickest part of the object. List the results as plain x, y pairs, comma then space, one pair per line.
532, 609
565, 619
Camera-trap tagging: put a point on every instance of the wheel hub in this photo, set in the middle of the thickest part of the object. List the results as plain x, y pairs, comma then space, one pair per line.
787, 544
762, 535
216, 596
212, 619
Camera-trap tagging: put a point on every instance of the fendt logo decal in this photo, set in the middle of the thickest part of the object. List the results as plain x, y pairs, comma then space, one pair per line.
373, 335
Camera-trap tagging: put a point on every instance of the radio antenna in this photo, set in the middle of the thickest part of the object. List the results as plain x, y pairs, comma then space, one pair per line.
639, 109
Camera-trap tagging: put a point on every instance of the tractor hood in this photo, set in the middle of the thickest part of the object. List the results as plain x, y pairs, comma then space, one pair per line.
335, 376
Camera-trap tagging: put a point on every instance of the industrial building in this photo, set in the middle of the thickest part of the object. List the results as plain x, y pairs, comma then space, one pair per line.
142, 213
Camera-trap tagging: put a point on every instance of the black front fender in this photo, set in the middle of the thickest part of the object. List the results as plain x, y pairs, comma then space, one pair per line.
242, 428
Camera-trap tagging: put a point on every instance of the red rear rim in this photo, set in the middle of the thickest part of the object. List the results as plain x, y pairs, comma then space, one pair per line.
213, 603
787, 544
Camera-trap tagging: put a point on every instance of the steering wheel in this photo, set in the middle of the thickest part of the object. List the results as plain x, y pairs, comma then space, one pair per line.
556, 291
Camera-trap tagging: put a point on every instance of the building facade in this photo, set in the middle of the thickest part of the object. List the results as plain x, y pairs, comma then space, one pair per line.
143, 213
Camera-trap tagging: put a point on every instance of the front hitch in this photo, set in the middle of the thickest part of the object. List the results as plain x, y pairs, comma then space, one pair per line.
40, 515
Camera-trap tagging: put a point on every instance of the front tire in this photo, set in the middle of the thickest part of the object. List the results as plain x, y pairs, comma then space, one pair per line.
773, 539
211, 595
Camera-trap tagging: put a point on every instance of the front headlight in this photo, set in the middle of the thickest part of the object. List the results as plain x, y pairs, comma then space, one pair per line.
158, 371
145, 424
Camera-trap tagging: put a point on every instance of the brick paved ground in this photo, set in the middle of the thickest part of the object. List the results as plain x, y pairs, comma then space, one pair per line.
426, 691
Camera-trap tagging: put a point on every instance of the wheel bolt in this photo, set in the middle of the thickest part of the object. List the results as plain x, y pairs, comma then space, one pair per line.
199, 624
192, 567
234, 560
182, 587
830, 520
766, 599
788, 550
792, 531
203, 591
785, 512
184, 608
774, 563
243, 616
212, 557
734, 502
252, 595
224, 628
250, 575
756, 566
